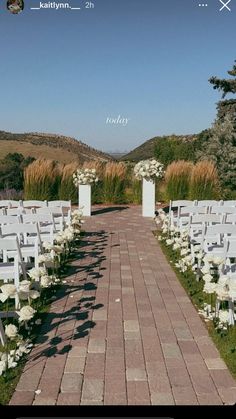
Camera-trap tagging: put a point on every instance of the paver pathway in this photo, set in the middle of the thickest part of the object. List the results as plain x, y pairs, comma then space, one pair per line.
123, 331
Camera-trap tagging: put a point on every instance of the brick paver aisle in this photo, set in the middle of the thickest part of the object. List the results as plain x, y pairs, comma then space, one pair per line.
123, 331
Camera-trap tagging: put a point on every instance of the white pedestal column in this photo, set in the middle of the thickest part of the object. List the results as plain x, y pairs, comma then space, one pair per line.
85, 199
148, 198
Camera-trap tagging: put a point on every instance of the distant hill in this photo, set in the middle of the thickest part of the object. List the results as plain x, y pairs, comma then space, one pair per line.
146, 150
51, 146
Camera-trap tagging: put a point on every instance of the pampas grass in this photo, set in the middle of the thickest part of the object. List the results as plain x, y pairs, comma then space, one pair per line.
177, 179
42, 179
67, 189
204, 182
114, 183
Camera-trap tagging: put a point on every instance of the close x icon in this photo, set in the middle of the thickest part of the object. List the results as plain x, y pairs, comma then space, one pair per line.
225, 5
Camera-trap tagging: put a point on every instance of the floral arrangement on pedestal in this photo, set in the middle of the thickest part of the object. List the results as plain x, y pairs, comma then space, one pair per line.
149, 170
85, 177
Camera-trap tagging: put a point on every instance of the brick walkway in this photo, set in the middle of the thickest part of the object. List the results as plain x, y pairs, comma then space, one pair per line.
123, 331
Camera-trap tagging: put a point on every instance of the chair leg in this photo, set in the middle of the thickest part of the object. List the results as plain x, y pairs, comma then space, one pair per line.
2, 334
231, 313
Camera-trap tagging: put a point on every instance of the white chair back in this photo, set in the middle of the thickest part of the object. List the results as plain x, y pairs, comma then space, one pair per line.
34, 203
9, 219
64, 204
222, 210
229, 203
207, 203
230, 218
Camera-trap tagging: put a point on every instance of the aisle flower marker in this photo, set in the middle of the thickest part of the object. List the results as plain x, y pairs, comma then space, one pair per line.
83, 179
148, 171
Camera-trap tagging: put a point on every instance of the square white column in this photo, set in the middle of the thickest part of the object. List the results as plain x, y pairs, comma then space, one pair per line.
85, 199
148, 198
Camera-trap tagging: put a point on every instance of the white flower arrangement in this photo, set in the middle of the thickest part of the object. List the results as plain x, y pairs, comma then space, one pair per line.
148, 169
85, 177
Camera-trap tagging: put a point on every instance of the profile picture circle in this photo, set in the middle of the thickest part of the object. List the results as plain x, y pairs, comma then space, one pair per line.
15, 6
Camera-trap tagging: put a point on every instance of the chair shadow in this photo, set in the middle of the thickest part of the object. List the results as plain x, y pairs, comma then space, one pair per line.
82, 308
108, 209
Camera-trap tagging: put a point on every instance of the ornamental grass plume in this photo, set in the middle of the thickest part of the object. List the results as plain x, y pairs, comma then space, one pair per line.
177, 178
114, 183
67, 190
204, 182
42, 179
97, 165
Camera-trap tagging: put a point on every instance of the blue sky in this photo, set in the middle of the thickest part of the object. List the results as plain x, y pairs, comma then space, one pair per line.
67, 71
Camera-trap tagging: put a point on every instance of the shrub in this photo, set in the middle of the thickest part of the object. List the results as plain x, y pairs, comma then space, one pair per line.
42, 179
67, 189
114, 183
170, 149
177, 179
204, 183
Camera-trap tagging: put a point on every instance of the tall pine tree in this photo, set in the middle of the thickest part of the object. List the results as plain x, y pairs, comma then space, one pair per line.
221, 146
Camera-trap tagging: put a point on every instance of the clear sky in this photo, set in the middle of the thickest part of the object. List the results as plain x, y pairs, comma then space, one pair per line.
66, 71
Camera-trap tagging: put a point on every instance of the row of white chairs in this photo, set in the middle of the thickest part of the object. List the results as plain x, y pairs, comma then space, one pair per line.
34, 203
212, 227
21, 243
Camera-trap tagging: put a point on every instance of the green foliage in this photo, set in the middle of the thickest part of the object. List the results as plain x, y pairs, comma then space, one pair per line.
67, 190
12, 171
169, 149
225, 85
221, 149
113, 190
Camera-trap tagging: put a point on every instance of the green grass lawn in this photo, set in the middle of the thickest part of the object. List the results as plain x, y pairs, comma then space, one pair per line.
224, 340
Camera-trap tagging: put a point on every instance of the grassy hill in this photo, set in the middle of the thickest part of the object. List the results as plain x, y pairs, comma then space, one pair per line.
50, 146
146, 150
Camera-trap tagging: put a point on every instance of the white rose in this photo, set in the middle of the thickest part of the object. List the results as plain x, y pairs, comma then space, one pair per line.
26, 313
207, 277
8, 291
45, 281
224, 316
11, 331
209, 288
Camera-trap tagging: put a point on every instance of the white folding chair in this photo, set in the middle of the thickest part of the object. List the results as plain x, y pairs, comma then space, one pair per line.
185, 213
222, 210
57, 213
29, 239
229, 203
34, 203
207, 203
18, 211
46, 224
230, 219
4, 203
11, 270
64, 204
230, 253
9, 219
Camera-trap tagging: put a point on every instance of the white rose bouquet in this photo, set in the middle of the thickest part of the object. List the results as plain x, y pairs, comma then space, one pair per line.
85, 177
148, 169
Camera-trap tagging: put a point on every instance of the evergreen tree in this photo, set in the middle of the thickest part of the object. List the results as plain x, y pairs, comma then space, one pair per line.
226, 86
220, 147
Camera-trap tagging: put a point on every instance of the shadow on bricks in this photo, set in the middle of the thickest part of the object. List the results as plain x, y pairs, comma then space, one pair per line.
108, 209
